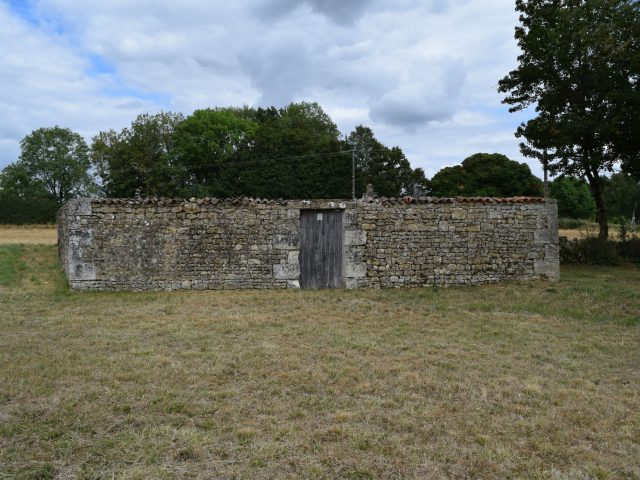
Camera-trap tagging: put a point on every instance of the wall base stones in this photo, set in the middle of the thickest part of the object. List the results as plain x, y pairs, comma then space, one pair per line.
127, 244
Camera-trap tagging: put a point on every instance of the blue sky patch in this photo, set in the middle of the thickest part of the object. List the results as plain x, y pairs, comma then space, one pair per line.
25, 10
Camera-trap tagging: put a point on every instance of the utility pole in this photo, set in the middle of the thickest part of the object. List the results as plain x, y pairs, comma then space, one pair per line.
353, 174
546, 173
635, 206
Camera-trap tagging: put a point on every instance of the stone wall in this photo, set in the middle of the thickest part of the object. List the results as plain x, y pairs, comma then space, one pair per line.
245, 243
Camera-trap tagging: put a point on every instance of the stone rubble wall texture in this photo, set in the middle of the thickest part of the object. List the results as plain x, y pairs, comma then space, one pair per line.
127, 244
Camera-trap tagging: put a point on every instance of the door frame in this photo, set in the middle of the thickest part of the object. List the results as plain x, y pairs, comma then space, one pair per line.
342, 283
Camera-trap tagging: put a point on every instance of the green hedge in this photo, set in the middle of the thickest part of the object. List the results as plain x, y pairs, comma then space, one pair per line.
571, 223
21, 211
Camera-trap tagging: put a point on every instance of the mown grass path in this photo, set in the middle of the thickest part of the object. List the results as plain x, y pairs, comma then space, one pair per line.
536, 380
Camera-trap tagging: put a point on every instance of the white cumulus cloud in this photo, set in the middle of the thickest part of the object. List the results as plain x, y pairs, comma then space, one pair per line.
417, 71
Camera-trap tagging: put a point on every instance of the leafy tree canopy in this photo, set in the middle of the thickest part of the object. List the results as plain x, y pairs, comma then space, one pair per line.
574, 198
580, 66
296, 153
484, 174
291, 152
208, 145
53, 163
386, 169
138, 158
622, 196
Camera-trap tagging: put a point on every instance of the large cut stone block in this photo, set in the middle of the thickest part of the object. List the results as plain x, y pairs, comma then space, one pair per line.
80, 206
292, 258
355, 237
283, 271
458, 214
81, 272
545, 236
287, 241
547, 268
355, 270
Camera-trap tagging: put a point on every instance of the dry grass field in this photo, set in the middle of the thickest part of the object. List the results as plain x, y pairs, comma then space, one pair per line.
28, 234
537, 380
577, 233
571, 234
591, 230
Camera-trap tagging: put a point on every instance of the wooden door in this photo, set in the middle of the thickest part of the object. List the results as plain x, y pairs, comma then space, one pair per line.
321, 249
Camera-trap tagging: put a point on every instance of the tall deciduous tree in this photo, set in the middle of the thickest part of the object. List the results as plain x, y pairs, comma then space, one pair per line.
208, 144
485, 174
138, 158
386, 169
574, 198
580, 66
296, 152
53, 162
622, 196
292, 152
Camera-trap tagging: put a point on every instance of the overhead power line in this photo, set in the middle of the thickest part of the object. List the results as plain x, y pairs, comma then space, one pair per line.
333, 154
231, 164
267, 160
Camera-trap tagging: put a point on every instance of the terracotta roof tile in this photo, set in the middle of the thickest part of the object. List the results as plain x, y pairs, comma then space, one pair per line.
280, 201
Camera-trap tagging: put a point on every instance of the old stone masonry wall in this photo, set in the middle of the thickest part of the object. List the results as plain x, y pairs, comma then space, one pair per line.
129, 244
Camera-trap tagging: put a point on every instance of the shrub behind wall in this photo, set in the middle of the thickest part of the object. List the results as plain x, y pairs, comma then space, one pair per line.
20, 211
596, 251
630, 249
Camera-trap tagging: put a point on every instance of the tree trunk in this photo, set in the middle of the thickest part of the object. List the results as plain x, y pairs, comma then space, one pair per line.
595, 186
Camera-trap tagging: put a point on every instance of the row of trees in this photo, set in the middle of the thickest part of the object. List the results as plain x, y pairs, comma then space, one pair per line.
228, 152
620, 194
293, 152
496, 175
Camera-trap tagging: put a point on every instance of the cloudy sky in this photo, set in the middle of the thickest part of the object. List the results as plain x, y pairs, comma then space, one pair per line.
422, 73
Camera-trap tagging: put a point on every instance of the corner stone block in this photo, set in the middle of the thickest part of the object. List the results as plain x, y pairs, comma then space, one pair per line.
548, 268
351, 283
552, 218
355, 270
355, 237
349, 218
286, 272
545, 236
292, 258
552, 252
81, 272
80, 206
293, 284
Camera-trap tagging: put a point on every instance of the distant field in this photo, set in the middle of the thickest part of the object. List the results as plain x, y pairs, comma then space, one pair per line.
537, 380
589, 229
30, 234
571, 234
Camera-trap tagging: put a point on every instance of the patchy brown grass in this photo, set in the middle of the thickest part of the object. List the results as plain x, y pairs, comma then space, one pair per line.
533, 380
28, 234
571, 234
589, 231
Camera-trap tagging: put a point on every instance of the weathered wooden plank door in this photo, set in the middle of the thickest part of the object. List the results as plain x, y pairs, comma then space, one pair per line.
321, 249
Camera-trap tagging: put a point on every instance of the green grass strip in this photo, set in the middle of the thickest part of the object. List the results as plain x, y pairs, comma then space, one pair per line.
11, 264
